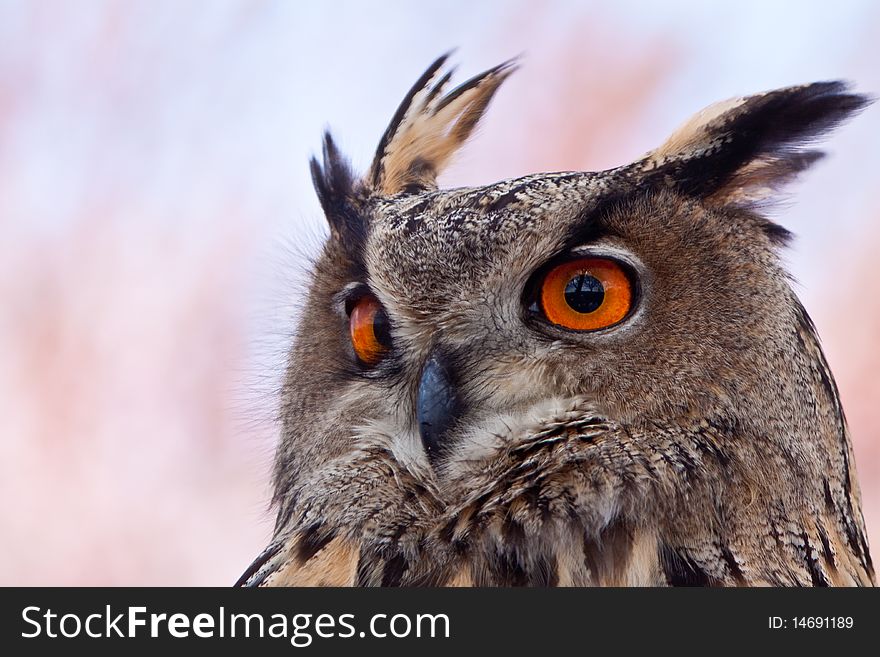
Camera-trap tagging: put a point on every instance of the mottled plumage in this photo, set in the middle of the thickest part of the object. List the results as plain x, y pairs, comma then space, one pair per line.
698, 441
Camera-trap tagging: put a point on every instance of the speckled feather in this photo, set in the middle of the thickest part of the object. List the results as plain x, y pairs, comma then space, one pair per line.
700, 442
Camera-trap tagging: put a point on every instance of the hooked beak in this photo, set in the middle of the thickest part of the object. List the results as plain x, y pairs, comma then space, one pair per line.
437, 405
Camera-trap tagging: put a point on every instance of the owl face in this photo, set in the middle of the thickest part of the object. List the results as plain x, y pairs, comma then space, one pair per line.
489, 381
474, 294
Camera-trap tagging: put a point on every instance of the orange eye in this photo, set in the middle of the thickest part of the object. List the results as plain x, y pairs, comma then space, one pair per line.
586, 294
369, 329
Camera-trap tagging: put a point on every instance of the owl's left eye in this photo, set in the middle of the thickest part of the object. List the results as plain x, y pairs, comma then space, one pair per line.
586, 294
369, 328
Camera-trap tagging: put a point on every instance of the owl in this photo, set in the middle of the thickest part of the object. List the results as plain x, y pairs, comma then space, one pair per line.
565, 379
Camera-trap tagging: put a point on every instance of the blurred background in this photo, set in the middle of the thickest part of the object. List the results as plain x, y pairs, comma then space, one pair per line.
156, 219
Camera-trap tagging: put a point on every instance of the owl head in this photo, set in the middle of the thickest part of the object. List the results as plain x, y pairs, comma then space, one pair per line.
574, 377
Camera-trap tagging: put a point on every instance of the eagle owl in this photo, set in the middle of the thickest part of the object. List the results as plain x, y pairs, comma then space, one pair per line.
576, 378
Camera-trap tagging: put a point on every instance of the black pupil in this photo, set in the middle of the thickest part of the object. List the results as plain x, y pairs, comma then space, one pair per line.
584, 293
381, 328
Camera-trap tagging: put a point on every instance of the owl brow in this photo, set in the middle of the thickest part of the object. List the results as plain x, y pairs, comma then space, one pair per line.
349, 293
590, 225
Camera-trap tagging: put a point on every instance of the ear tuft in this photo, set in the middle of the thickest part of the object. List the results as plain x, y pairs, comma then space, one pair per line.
429, 127
740, 151
333, 179
334, 184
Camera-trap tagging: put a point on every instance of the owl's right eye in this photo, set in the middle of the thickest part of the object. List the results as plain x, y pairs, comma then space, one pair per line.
369, 328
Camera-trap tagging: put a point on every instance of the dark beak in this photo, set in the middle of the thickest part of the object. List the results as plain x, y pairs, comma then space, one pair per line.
437, 405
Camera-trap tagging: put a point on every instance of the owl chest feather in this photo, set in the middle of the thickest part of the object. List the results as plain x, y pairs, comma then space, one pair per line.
584, 503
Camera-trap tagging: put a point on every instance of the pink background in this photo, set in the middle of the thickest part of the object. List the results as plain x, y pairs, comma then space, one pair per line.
156, 216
